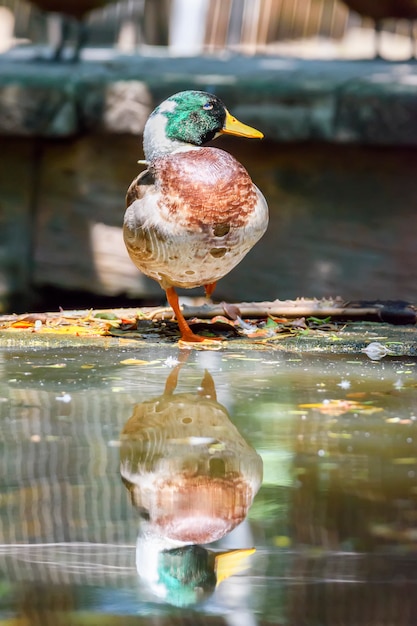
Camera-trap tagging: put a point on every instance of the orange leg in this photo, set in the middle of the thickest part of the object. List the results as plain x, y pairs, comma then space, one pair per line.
186, 332
209, 288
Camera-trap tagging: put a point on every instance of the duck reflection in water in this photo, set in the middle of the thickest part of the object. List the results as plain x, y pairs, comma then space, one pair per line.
193, 478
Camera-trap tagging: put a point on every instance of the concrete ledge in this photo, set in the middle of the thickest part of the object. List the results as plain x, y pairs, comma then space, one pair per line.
365, 102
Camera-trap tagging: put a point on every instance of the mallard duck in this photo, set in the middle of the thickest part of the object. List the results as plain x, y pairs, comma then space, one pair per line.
71, 9
194, 213
380, 10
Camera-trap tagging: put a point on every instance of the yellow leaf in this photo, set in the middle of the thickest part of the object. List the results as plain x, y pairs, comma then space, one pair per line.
133, 362
73, 329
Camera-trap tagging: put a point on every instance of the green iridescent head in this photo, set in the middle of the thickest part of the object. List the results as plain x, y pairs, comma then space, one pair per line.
189, 118
196, 117
192, 116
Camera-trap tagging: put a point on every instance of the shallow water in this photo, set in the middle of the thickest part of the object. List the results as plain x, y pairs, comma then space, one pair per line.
87, 434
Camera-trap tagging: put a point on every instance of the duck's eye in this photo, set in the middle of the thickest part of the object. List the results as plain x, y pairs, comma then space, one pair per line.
207, 106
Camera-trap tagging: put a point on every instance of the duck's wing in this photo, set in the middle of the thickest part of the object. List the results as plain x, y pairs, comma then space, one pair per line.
143, 184
142, 199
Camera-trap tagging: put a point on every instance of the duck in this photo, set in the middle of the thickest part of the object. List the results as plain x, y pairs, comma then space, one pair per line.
386, 9
194, 213
75, 10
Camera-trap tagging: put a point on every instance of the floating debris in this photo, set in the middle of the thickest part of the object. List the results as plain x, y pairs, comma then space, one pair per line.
376, 351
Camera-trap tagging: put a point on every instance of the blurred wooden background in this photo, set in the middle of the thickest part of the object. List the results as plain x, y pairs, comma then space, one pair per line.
337, 166
210, 26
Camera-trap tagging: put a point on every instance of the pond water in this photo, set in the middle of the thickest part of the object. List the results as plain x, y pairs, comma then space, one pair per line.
179, 487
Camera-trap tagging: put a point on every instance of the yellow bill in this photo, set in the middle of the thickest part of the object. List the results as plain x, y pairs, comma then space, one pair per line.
232, 126
229, 563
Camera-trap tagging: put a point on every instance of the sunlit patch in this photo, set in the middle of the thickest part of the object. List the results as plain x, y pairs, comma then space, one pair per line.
66, 397
339, 407
54, 366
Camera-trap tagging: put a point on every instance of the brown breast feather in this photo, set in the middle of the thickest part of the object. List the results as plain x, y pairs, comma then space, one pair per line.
199, 188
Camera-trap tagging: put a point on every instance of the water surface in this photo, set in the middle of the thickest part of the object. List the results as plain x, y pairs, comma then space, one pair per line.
322, 451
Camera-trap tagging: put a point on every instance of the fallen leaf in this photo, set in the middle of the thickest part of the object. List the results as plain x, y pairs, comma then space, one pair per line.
231, 310
22, 324
133, 362
104, 315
